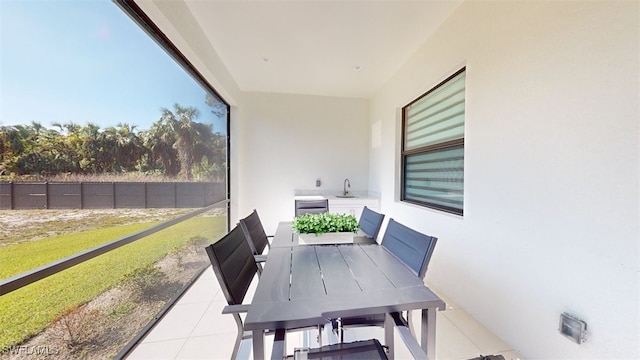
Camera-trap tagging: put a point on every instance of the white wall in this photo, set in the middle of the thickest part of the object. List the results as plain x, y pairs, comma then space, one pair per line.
552, 164
279, 142
286, 142
551, 171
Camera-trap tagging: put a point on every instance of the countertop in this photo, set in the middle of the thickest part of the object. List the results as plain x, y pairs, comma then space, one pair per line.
332, 195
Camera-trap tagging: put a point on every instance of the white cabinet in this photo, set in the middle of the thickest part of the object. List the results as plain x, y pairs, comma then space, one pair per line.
352, 206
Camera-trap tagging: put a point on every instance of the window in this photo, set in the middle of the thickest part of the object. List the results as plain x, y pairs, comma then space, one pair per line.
433, 147
128, 150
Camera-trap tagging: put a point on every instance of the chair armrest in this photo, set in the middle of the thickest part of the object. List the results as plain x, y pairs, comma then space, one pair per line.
398, 321
236, 309
260, 258
407, 337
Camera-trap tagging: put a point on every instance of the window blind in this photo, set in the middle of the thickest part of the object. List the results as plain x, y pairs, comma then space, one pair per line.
436, 117
433, 149
436, 178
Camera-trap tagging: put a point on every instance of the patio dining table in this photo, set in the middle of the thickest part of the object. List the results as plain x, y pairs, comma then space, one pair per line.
300, 285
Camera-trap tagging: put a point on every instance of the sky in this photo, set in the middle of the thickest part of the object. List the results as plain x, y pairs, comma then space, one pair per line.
86, 61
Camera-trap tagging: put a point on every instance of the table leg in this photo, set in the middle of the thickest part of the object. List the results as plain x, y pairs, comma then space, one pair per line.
258, 344
389, 324
428, 333
279, 345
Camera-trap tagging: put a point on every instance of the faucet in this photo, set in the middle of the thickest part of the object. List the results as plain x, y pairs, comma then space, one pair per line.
347, 184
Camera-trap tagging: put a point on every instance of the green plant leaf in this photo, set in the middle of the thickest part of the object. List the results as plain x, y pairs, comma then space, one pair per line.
324, 223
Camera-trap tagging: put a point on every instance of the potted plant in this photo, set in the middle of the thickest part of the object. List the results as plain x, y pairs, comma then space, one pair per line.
325, 228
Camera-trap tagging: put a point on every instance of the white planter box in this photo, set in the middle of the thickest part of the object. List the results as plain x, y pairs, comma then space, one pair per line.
326, 238
333, 238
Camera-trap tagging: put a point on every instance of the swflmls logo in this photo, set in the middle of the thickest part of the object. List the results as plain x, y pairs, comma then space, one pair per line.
44, 350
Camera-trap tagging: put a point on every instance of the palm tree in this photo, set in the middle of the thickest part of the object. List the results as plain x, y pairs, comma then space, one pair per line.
8, 144
190, 136
91, 154
159, 141
37, 129
218, 108
128, 147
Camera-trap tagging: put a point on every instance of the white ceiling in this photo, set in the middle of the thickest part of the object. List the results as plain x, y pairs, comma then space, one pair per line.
330, 48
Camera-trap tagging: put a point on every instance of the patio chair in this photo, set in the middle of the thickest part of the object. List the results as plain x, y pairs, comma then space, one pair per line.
412, 248
311, 206
235, 268
256, 236
370, 223
361, 349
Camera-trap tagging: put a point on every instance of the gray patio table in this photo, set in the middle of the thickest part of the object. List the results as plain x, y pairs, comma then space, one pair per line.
300, 285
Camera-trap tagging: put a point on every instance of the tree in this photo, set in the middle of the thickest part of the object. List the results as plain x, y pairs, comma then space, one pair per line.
219, 109
163, 157
192, 140
10, 146
93, 158
175, 145
124, 145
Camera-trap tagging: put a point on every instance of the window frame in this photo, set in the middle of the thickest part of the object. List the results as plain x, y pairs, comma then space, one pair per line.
147, 25
444, 145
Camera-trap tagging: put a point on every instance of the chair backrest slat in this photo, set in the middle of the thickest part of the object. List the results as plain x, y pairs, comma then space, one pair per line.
233, 264
370, 222
411, 247
254, 232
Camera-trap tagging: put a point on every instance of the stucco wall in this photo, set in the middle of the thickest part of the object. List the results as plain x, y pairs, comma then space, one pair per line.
551, 171
286, 142
551, 164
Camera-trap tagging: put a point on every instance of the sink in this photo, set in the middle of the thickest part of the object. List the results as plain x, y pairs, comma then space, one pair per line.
345, 196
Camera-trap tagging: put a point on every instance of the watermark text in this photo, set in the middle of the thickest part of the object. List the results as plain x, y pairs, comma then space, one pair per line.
42, 350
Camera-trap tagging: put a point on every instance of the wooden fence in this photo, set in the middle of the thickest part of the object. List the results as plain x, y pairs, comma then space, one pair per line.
109, 195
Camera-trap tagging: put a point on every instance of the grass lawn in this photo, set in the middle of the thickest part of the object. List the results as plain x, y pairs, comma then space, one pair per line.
16, 259
27, 311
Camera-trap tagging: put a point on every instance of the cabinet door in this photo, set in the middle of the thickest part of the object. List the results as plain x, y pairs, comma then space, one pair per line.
352, 207
346, 209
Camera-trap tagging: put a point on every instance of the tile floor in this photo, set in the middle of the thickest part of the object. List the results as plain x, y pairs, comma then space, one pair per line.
195, 329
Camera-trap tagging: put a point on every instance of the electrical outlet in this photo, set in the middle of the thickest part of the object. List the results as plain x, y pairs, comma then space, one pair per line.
318, 183
573, 328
